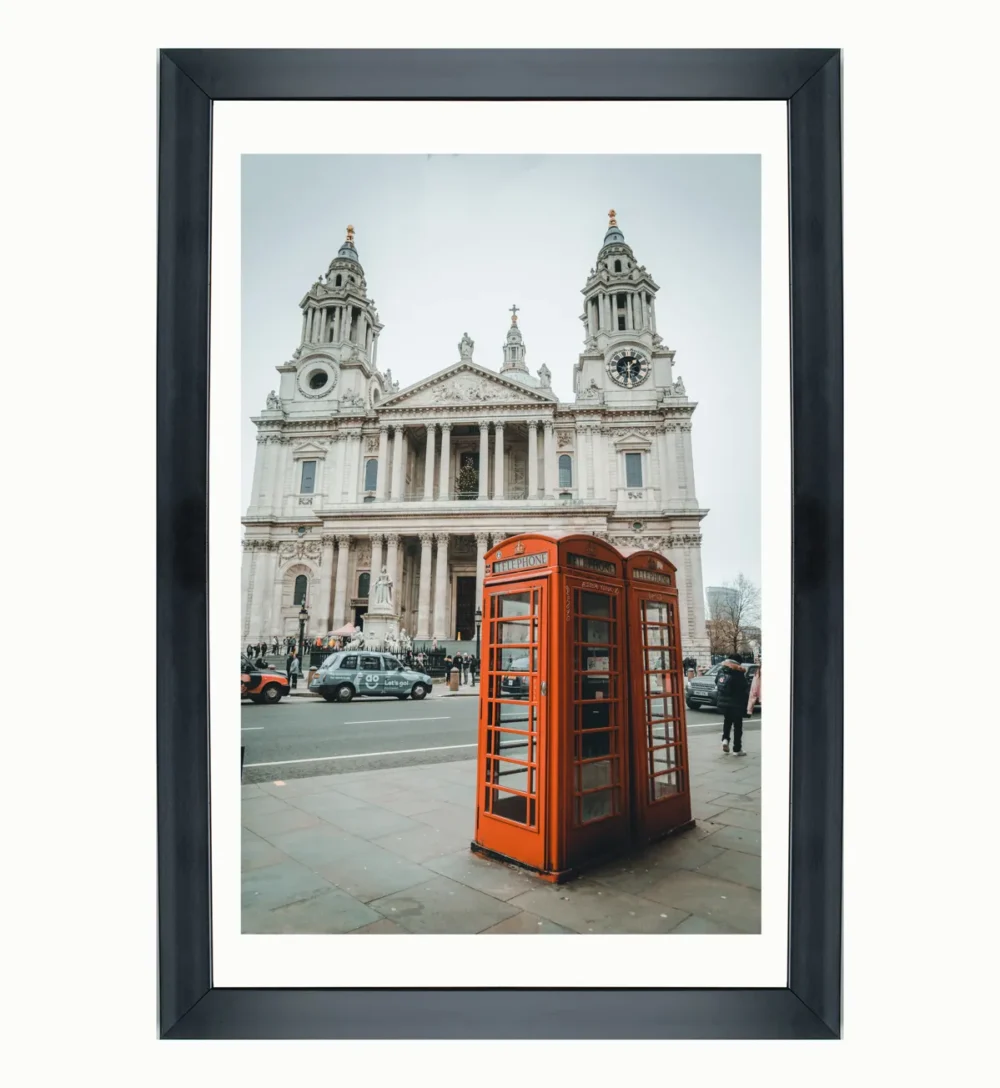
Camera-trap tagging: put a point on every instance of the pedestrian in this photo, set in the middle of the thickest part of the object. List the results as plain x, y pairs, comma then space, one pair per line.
274, 648
294, 669
731, 685
688, 678
754, 692
475, 669
249, 651
261, 662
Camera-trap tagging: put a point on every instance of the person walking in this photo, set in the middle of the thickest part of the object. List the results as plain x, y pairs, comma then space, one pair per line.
754, 692
731, 685
294, 669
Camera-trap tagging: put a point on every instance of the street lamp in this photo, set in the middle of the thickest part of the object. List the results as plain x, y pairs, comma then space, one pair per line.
479, 620
303, 616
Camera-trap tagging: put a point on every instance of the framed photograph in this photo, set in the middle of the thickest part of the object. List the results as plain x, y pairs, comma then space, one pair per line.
503, 549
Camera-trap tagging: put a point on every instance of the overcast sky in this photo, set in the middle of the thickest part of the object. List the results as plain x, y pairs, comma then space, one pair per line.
448, 243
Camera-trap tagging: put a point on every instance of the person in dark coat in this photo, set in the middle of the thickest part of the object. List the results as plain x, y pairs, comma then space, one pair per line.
733, 689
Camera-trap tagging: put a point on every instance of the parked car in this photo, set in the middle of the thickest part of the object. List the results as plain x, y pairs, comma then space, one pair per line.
702, 692
515, 687
348, 673
261, 685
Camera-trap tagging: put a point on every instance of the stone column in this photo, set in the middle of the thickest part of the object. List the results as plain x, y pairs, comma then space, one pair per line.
352, 456
444, 476
406, 462
378, 539
392, 566
321, 607
305, 325
278, 474
256, 488
549, 459
685, 429
600, 463
429, 462
397, 464
441, 587
340, 593
383, 461
498, 460
667, 476
484, 459
533, 459
374, 347
652, 313
424, 596
482, 546
334, 484
682, 488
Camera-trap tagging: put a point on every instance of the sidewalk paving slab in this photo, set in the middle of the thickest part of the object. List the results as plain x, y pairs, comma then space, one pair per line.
318, 858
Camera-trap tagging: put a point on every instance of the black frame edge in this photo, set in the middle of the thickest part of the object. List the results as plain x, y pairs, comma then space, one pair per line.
190, 80
182, 335
817, 787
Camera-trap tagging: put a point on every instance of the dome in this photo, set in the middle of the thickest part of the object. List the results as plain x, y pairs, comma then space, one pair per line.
522, 377
614, 233
347, 249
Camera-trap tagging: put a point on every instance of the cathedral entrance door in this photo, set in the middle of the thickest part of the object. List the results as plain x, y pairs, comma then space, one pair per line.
465, 608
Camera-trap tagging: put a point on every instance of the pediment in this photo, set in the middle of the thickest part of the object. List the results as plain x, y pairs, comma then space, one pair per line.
308, 449
465, 383
632, 438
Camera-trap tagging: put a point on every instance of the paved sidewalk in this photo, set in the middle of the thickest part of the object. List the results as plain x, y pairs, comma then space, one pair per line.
387, 851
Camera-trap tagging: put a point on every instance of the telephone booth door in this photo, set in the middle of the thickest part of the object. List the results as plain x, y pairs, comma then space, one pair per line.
594, 750
512, 802
661, 788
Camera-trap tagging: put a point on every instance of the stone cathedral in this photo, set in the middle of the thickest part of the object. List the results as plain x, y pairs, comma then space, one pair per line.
353, 473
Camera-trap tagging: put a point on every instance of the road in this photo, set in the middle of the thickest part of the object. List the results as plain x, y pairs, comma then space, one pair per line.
301, 737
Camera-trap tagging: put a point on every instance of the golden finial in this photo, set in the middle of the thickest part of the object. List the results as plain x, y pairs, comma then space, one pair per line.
611, 216
350, 234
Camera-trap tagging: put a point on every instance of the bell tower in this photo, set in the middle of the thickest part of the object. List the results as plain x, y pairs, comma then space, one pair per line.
623, 358
338, 317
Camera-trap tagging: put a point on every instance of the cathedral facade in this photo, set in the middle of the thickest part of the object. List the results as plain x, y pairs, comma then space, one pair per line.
353, 473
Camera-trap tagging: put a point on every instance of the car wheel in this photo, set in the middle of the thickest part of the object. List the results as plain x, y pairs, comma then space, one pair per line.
329, 697
692, 706
402, 697
271, 694
256, 698
419, 691
345, 693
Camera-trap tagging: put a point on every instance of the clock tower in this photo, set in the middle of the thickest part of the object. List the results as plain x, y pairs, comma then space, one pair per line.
624, 360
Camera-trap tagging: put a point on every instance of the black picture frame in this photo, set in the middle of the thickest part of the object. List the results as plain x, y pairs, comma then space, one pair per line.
190, 81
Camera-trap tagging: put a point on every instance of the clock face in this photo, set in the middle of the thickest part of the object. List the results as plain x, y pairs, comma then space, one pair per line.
628, 367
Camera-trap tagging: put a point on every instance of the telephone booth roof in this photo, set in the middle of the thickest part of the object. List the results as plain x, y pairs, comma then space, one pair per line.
569, 550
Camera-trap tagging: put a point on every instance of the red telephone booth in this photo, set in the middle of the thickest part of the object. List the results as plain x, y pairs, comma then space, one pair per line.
661, 788
553, 774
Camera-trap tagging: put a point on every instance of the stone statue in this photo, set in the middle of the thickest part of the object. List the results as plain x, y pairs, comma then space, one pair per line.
388, 378
382, 592
545, 376
679, 389
465, 346
272, 401
592, 392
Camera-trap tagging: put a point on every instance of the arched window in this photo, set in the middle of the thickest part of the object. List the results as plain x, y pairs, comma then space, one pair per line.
565, 470
618, 266
364, 583
340, 280
371, 474
301, 585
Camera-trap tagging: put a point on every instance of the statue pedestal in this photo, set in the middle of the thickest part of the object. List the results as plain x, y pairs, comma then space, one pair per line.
380, 625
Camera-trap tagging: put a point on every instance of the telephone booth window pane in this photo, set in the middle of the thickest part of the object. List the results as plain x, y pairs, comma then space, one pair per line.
595, 806
593, 776
512, 604
510, 806
595, 604
594, 631
593, 745
515, 715
664, 786
662, 733
513, 633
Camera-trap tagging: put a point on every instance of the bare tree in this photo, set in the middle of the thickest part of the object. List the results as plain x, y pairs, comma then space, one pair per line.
736, 617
